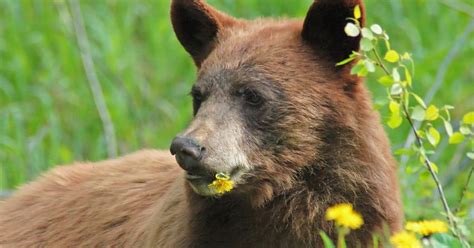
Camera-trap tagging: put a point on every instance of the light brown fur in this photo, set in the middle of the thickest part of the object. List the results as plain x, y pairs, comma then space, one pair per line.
104, 204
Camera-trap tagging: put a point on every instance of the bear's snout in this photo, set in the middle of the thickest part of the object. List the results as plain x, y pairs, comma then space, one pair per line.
188, 153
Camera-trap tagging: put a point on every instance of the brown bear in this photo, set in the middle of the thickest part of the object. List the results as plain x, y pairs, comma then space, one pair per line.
293, 131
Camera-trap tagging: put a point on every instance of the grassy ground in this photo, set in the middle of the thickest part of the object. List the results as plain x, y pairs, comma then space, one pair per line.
48, 116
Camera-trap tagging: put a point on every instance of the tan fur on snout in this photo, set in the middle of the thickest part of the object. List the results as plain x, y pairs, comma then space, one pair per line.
220, 133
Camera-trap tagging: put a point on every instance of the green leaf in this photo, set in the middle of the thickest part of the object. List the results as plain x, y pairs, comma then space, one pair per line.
376, 29
385, 81
435, 167
394, 107
405, 99
366, 33
395, 75
394, 121
433, 136
456, 138
448, 115
449, 107
418, 113
392, 56
470, 155
468, 118
408, 77
369, 65
418, 99
363, 71
357, 12
351, 30
355, 70
366, 45
406, 56
448, 127
421, 133
465, 130
375, 241
396, 90
432, 113
326, 240
346, 61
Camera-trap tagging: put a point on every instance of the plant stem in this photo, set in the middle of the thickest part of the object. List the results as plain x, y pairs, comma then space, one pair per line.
428, 164
380, 62
95, 86
426, 160
430, 169
341, 234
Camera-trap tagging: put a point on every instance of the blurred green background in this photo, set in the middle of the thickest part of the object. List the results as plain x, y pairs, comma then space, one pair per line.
48, 116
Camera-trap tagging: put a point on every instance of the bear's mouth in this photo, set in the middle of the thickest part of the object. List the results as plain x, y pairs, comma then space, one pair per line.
190, 176
200, 182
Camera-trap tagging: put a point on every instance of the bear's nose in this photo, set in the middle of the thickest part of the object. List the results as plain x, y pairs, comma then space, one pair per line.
188, 152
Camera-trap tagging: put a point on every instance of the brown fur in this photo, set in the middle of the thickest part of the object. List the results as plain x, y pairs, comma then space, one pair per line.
333, 150
101, 204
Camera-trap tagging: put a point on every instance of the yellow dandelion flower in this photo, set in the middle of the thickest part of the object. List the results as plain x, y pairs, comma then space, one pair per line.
427, 227
345, 216
405, 239
222, 183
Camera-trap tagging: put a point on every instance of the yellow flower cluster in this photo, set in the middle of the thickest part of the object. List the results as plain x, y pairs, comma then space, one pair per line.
405, 239
222, 184
408, 239
427, 227
345, 216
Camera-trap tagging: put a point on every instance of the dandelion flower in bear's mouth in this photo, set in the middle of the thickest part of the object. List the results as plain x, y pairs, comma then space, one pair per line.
222, 183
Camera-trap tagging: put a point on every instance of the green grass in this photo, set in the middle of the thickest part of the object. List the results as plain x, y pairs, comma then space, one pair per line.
47, 113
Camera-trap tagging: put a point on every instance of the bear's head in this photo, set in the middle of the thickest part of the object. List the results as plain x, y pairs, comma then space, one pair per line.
270, 104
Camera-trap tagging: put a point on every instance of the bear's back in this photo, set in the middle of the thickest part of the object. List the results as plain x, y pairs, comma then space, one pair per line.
85, 203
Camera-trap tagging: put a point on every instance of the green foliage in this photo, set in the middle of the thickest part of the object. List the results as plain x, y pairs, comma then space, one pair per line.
399, 88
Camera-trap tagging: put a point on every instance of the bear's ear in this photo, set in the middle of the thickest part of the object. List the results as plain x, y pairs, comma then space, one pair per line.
324, 26
196, 25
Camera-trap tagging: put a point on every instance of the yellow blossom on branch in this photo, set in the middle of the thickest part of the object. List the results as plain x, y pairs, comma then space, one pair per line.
222, 183
427, 227
405, 239
345, 216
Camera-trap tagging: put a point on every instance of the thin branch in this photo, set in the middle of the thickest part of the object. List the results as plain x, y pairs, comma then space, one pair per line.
426, 161
439, 186
431, 170
94, 84
379, 61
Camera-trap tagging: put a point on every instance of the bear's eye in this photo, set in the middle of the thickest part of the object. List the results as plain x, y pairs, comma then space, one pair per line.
252, 97
197, 99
